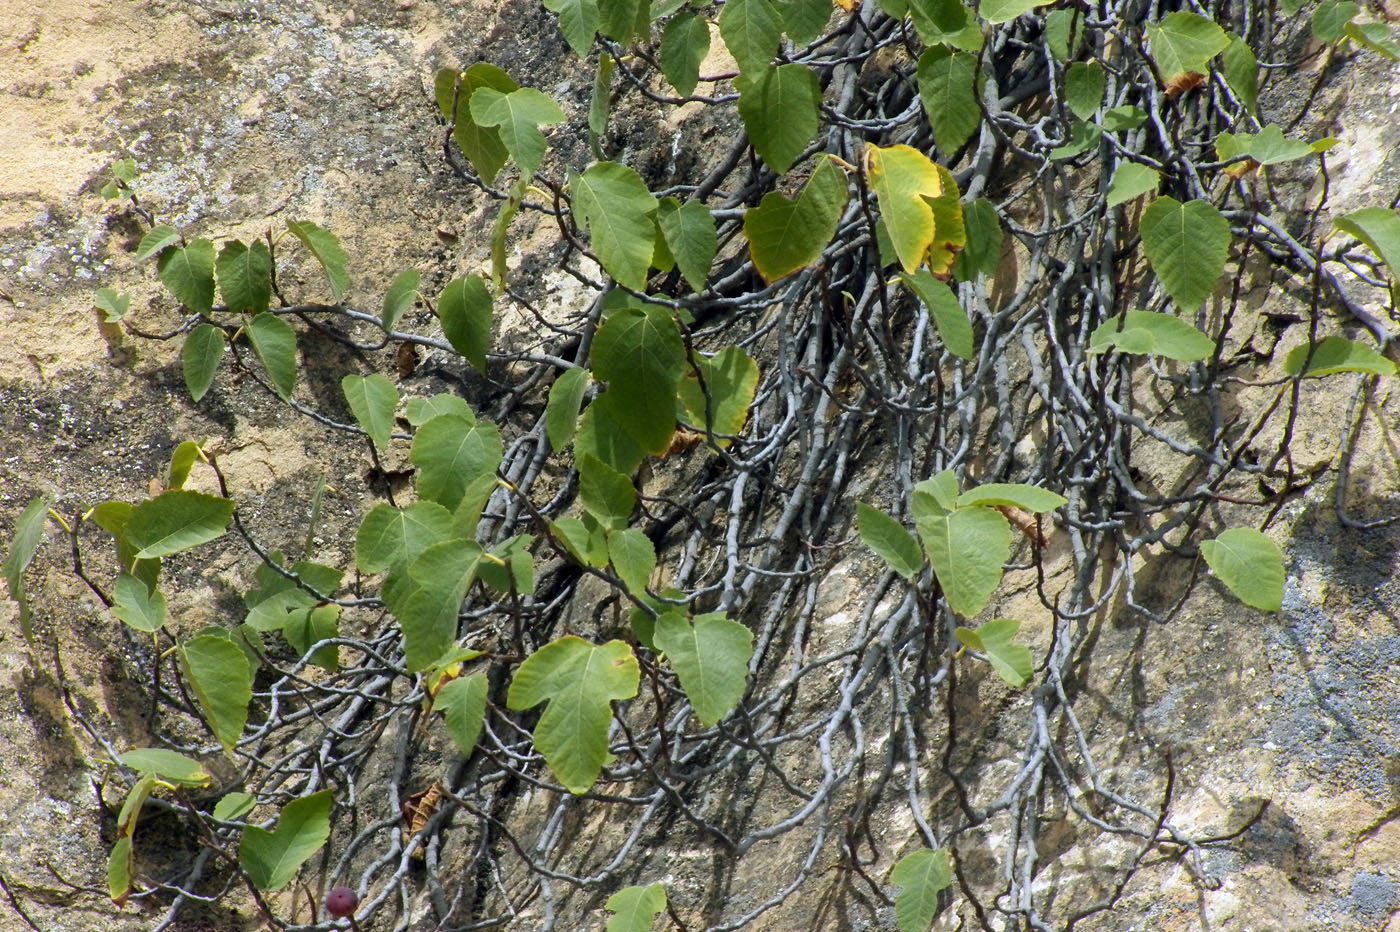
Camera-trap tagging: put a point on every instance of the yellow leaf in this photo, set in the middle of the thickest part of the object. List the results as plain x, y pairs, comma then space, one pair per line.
902, 177
849, 6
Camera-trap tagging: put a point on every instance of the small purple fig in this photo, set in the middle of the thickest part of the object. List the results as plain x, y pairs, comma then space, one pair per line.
341, 902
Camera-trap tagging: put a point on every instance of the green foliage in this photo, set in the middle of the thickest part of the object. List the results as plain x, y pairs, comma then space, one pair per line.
426, 595
789, 234
1249, 564
272, 858
199, 358
613, 204
166, 765
113, 305
517, 117
1335, 354
948, 316
1011, 661
635, 908
751, 30
948, 91
779, 108
372, 400
138, 606
275, 343
482, 145
29, 531
1379, 229
688, 231
1187, 245
189, 274
403, 291
640, 354
1130, 181
888, 538
1267, 147
465, 310
579, 681
633, 558
1084, 87
1003, 11
176, 520
325, 246
452, 453
922, 876
391, 537
219, 675
684, 44
711, 657
1183, 42
561, 412
245, 276
462, 702
715, 395
1152, 335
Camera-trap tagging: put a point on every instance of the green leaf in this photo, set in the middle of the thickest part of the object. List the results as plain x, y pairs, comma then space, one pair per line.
157, 239
222, 681
601, 433
372, 399
24, 543
1336, 354
114, 306
578, 20
779, 108
585, 546
189, 274
1374, 36
199, 358
982, 227
786, 235
953, 326
305, 628
1058, 25
888, 538
1084, 86
604, 492
465, 310
1183, 42
275, 343
234, 806
731, 378
639, 352
967, 548
427, 595
689, 233
804, 20
1249, 564
635, 908
946, 22
328, 252
948, 93
1379, 229
1004, 11
518, 571
1153, 335
444, 89
419, 411
518, 116
1132, 180
167, 765
1330, 17
482, 144
1082, 138
921, 876
184, 457
1121, 119
579, 680
621, 19
599, 102
1011, 661
1267, 147
751, 30
271, 859
633, 558
451, 453
1012, 494
935, 496
1187, 245
684, 44
561, 411
462, 702
141, 608
711, 658
1241, 70
120, 867
901, 178
176, 520
612, 202
403, 291
245, 276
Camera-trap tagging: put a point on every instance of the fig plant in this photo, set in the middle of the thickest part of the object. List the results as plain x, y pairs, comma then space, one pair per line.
877, 291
